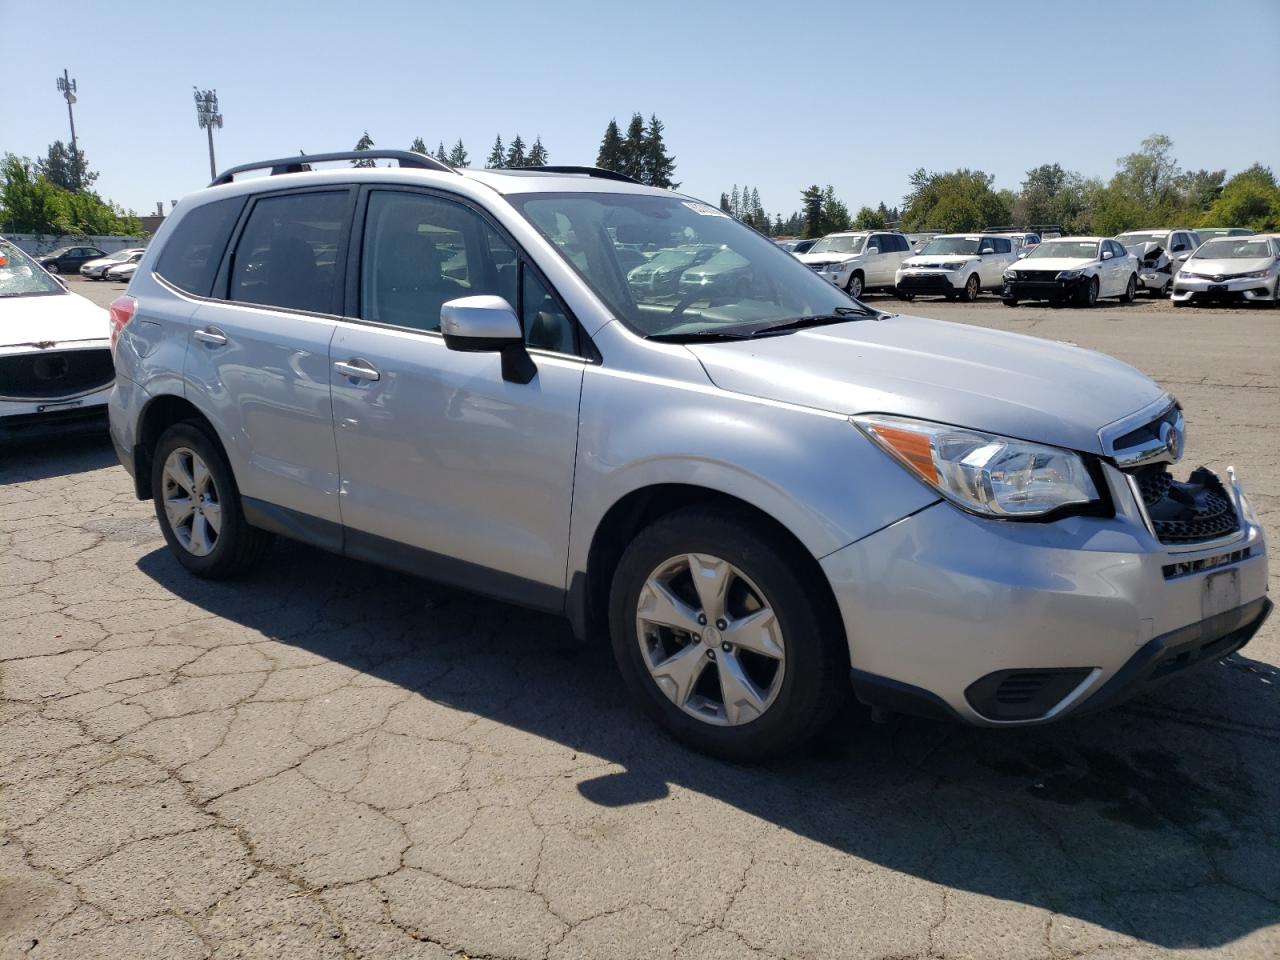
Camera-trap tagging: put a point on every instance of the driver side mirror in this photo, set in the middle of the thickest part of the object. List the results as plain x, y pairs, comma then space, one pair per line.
986, 250
1107, 254
488, 324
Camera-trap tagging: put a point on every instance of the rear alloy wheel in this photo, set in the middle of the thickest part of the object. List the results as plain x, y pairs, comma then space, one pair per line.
198, 505
855, 285
721, 636
1131, 291
971, 288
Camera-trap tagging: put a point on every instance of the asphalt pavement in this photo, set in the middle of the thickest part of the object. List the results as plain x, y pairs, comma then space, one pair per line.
331, 760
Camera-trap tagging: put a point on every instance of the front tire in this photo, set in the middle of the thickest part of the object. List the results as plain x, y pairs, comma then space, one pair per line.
722, 637
856, 285
971, 288
1131, 291
1088, 295
53, 268
198, 505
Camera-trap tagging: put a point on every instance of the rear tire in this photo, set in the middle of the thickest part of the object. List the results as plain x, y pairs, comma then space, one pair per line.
762, 564
198, 504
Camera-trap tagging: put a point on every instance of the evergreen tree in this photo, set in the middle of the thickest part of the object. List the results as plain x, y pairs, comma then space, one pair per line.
440, 151
633, 149
538, 154
778, 226
811, 204
497, 157
657, 165
756, 210
66, 168
735, 202
458, 155
610, 154
515, 153
724, 203
364, 143
419, 145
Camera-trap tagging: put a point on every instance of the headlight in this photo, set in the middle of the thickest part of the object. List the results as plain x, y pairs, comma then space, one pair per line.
1184, 274
983, 473
953, 267
1069, 274
1259, 275
1010, 276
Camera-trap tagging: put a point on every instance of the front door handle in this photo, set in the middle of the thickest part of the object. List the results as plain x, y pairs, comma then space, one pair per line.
211, 335
357, 369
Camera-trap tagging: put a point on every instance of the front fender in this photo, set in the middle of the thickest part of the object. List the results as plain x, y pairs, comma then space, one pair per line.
810, 470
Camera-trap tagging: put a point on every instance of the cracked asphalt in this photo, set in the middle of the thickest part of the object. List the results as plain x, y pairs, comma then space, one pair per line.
331, 760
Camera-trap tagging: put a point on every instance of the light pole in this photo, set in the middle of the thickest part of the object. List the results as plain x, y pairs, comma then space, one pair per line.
208, 117
67, 87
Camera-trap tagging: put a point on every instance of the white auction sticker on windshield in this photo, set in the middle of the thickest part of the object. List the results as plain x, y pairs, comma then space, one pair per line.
705, 209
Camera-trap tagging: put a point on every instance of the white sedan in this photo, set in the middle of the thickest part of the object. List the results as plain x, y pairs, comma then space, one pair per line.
55, 350
1080, 270
94, 269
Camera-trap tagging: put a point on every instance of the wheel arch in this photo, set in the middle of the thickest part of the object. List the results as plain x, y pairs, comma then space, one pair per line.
588, 595
161, 412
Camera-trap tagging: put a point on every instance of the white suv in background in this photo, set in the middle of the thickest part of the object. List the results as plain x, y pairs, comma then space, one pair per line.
859, 261
1160, 254
957, 265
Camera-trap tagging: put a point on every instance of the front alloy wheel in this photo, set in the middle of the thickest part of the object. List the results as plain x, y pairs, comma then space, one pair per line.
710, 639
191, 501
855, 285
970, 289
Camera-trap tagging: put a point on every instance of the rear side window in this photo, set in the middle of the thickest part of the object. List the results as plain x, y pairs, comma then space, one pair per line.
1002, 244
193, 251
287, 254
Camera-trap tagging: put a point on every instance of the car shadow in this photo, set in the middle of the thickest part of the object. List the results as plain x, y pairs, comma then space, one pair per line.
1157, 820
39, 455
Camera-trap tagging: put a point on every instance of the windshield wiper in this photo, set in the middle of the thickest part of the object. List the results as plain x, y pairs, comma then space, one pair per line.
839, 315
698, 336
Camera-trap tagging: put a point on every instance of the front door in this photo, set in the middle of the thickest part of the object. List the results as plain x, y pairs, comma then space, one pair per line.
439, 454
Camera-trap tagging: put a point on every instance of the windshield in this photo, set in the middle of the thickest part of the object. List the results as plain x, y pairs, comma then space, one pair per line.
1222, 232
747, 283
20, 276
1129, 239
838, 245
1066, 250
945, 245
1234, 249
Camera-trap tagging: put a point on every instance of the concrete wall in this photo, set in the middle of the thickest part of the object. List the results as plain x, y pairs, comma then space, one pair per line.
36, 245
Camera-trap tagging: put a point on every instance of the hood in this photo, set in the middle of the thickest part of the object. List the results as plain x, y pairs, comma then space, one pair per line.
1228, 267
822, 259
1051, 263
921, 260
56, 318
1006, 383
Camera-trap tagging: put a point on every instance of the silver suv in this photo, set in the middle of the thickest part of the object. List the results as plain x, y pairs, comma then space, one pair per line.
756, 487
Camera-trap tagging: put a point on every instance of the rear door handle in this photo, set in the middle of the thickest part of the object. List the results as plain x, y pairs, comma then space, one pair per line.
357, 369
211, 335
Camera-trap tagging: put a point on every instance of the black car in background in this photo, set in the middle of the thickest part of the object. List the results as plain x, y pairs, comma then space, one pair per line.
69, 259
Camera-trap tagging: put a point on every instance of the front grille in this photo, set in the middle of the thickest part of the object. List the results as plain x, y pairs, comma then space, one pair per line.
1036, 276
1189, 511
48, 375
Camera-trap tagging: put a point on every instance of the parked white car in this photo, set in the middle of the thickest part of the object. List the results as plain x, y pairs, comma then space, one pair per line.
94, 269
1160, 254
859, 261
122, 272
1232, 268
55, 356
1081, 270
956, 265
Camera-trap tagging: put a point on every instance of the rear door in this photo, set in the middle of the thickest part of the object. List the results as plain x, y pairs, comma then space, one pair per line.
258, 356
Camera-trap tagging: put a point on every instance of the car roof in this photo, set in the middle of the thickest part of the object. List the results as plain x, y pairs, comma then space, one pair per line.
1079, 239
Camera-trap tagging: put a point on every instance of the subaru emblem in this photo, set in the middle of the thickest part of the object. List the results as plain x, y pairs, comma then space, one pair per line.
1171, 437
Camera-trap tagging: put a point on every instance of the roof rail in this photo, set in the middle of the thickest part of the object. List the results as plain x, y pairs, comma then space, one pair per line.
588, 172
303, 162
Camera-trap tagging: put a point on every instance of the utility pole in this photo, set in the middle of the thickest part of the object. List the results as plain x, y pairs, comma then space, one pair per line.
67, 87
208, 117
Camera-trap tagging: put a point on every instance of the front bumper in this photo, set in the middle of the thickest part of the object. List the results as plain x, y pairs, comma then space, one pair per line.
837, 275
1004, 623
1043, 289
927, 282
1185, 290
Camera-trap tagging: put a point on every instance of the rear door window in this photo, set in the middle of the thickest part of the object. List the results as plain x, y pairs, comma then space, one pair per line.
1002, 244
193, 251
287, 254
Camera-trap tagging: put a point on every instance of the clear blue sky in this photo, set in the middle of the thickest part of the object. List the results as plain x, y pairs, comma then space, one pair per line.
775, 95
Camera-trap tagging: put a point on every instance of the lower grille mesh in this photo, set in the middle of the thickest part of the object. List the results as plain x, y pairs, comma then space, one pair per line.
1186, 511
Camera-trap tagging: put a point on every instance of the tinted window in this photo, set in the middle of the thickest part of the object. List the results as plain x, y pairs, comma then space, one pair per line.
287, 253
899, 244
1002, 244
191, 255
421, 252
